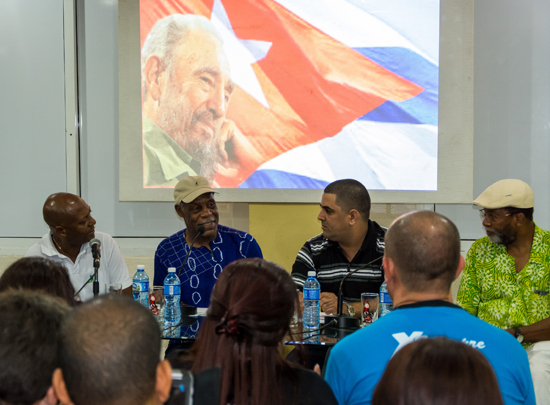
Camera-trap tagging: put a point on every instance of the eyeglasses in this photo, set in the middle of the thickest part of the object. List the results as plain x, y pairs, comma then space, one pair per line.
492, 216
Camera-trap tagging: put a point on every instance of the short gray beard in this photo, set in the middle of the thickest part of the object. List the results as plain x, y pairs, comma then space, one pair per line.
206, 153
501, 238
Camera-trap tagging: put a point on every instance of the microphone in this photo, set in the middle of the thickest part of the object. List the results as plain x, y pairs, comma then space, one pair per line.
344, 321
200, 231
95, 244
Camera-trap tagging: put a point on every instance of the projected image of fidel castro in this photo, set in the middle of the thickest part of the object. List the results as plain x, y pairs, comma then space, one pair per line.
185, 91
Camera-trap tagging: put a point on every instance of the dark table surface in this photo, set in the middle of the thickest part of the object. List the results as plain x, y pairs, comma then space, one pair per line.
327, 336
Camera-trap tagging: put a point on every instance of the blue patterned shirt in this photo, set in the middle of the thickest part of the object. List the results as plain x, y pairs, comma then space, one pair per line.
204, 265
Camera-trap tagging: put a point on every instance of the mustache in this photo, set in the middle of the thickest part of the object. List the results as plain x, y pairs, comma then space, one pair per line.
206, 117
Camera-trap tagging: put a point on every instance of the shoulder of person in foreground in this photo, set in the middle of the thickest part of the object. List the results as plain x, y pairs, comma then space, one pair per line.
312, 389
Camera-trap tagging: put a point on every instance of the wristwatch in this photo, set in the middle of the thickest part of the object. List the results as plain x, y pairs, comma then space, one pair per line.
351, 309
518, 334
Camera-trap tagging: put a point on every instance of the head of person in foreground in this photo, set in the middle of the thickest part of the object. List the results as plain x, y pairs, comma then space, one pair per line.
438, 371
38, 273
422, 257
249, 315
29, 327
109, 353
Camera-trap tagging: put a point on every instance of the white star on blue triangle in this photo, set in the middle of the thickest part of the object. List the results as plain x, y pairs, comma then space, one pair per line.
241, 54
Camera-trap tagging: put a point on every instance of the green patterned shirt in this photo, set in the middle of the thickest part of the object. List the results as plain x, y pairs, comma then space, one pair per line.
492, 290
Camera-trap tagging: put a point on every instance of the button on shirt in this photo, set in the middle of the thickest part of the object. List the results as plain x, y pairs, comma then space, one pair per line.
204, 265
112, 267
492, 290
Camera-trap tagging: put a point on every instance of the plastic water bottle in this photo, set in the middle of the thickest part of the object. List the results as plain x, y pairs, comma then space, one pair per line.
172, 311
312, 295
140, 286
386, 304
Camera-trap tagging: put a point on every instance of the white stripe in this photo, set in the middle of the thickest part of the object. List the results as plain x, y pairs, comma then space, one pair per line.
306, 258
382, 155
356, 28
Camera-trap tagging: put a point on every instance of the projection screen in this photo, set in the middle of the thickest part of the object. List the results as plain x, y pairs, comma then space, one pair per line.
273, 100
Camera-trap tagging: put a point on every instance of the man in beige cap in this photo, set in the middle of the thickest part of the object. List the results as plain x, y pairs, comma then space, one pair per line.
507, 275
214, 246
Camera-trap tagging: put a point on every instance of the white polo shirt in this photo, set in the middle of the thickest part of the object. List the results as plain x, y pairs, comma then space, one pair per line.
112, 267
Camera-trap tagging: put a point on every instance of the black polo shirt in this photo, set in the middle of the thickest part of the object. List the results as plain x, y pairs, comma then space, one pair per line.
331, 265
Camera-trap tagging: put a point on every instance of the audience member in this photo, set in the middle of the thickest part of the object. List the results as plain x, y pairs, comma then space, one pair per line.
38, 273
249, 315
72, 227
109, 354
438, 371
350, 240
505, 280
29, 326
421, 260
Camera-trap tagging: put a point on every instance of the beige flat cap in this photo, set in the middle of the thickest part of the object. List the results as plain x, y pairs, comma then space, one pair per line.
190, 188
506, 193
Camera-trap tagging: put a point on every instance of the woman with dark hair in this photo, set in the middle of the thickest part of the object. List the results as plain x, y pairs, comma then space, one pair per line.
438, 371
37, 273
249, 315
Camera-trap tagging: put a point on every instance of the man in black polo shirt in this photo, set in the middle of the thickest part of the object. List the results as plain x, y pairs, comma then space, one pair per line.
349, 241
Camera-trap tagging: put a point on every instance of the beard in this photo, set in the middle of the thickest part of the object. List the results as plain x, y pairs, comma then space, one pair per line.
505, 237
175, 122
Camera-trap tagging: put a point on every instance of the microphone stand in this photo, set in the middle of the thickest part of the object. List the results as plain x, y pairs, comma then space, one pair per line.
96, 281
345, 322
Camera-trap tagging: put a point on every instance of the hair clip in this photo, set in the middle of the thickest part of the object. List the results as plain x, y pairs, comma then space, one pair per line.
230, 328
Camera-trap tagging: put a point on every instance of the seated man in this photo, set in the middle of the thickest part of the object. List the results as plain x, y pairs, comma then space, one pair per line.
421, 260
72, 227
29, 323
505, 281
109, 354
350, 241
213, 249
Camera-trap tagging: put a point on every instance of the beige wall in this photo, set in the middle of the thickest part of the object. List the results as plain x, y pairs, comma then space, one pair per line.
282, 229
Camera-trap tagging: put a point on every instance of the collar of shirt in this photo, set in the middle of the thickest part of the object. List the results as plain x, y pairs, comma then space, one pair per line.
174, 161
49, 249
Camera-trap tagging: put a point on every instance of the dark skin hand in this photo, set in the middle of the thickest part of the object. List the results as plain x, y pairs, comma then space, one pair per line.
329, 304
536, 332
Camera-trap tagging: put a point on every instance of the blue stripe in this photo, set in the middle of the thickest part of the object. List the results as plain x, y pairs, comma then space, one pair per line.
278, 179
422, 109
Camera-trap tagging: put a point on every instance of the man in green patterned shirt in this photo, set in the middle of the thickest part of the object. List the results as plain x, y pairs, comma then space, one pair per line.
506, 281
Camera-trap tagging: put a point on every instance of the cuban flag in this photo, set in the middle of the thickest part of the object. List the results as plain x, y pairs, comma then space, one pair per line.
328, 89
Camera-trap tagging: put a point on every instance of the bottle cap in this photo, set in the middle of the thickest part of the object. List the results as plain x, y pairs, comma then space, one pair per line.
311, 273
141, 267
171, 269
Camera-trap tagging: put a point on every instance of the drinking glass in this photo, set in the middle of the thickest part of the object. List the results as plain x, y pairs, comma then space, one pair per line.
113, 288
369, 308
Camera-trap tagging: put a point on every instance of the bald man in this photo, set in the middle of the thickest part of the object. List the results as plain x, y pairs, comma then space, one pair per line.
72, 227
421, 260
109, 351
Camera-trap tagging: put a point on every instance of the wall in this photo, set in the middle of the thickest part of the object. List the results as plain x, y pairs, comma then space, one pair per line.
511, 127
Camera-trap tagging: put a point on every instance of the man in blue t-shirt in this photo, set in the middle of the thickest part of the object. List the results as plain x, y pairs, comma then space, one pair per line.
421, 260
214, 247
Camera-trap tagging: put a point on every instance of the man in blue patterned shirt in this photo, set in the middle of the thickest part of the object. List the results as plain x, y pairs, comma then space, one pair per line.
215, 246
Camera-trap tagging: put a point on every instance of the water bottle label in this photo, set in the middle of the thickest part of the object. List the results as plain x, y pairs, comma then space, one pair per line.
142, 286
385, 298
311, 294
172, 289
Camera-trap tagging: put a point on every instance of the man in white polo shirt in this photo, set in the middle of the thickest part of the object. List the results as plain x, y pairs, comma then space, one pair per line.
72, 227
